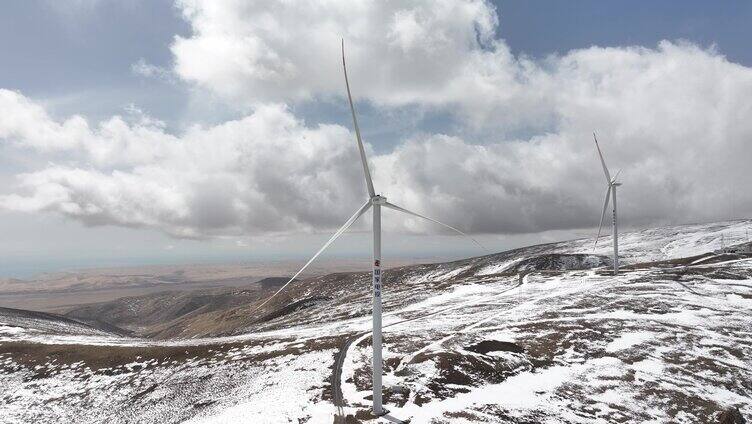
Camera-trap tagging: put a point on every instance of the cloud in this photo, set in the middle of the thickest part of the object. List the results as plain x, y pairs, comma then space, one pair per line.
267, 172
398, 53
143, 68
674, 117
441, 56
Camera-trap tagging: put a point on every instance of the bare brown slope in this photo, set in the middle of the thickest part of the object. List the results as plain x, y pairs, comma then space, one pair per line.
218, 312
152, 314
43, 322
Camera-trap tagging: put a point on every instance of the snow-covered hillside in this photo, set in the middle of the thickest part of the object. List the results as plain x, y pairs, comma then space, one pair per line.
657, 244
539, 334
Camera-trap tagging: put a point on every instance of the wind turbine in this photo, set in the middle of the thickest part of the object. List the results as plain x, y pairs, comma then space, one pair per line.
375, 201
610, 191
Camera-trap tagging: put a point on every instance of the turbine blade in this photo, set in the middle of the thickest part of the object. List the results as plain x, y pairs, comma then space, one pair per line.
397, 208
336, 235
366, 171
603, 215
605, 170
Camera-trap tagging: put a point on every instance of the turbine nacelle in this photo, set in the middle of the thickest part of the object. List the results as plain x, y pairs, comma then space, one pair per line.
378, 200
614, 182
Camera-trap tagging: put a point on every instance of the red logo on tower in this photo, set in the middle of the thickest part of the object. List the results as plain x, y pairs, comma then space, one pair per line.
377, 263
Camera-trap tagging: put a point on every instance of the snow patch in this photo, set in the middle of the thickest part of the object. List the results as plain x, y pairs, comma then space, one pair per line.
628, 340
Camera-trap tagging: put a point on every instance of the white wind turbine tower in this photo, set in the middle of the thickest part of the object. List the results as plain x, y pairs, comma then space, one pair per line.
375, 201
610, 191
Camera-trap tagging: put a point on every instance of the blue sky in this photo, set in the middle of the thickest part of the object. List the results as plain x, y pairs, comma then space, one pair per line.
538, 28
78, 58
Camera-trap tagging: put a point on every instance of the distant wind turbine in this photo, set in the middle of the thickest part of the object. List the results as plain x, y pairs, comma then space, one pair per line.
610, 191
375, 201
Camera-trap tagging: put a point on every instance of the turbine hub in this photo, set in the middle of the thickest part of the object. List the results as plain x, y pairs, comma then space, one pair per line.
378, 200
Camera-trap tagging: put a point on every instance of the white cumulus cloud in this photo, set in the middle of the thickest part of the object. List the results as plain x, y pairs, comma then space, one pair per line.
398, 52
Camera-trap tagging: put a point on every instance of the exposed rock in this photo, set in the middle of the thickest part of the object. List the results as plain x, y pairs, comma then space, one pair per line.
561, 262
495, 346
731, 416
